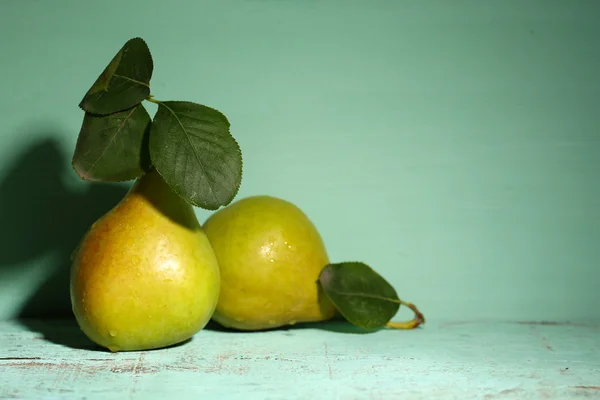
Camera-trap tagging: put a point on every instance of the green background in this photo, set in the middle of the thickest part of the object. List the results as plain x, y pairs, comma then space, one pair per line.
452, 145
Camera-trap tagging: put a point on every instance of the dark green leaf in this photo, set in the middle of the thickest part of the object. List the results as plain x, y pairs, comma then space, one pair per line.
114, 147
360, 294
191, 147
124, 83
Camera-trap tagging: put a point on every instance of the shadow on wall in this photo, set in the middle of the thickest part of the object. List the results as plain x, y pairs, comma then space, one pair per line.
40, 215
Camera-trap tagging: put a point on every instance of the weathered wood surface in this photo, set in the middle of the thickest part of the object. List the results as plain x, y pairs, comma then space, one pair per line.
53, 360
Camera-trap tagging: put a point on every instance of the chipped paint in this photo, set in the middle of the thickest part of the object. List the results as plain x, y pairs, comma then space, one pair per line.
483, 360
586, 387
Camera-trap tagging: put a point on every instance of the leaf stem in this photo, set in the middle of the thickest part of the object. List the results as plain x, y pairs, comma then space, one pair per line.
151, 99
413, 323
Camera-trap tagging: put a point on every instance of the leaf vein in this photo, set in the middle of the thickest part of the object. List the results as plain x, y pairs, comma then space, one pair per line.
196, 156
367, 295
132, 80
110, 141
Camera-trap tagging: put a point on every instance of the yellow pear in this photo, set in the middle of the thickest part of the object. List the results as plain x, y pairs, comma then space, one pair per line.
144, 276
270, 256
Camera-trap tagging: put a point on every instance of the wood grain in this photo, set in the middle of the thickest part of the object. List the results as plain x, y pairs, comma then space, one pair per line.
52, 359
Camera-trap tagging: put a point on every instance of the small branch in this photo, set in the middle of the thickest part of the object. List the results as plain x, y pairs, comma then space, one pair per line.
412, 324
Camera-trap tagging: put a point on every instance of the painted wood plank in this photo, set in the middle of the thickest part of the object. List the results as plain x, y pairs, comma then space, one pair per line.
52, 360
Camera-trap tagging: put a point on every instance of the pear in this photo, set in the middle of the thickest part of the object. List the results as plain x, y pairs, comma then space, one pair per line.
144, 276
270, 256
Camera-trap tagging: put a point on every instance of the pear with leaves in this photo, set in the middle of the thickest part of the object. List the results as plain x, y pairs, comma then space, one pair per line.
144, 276
275, 271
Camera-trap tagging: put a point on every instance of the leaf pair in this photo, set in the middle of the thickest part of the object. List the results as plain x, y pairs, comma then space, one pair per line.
189, 144
364, 297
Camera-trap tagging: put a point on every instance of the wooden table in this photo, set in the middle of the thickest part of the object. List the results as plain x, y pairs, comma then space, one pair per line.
53, 360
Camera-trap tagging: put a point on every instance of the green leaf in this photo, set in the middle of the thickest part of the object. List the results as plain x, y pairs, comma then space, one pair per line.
113, 148
124, 83
360, 294
192, 149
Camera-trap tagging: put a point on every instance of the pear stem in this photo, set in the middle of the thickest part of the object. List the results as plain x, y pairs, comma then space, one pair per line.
413, 323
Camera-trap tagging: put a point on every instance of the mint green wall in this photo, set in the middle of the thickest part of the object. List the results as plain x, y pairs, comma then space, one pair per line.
454, 146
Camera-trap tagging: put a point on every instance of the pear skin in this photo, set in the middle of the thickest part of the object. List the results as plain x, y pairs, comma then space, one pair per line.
270, 256
144, 276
